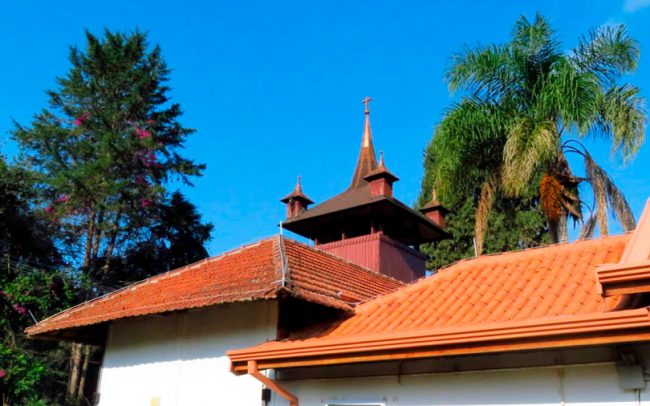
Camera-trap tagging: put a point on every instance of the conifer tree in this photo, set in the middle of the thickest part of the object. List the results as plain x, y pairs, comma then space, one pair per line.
105, 150
107, 145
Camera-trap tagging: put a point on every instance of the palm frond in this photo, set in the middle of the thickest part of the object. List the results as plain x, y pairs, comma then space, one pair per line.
530, 145
470, 135
535, 39
608, 195
568, 95
621, 114
483, 71
608, 52
588, 228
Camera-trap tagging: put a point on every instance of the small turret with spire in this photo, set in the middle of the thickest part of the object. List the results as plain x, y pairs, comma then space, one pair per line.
435, 211
381, 179
296, 201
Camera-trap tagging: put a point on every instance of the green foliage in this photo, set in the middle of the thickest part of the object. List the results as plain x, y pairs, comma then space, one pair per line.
106, 147
33, 371
513, 224
86, 208
176, 239
521, 102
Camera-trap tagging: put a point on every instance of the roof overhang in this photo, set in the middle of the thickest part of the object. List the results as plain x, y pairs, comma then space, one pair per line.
400, 222
622, 279
632, 273
626, 326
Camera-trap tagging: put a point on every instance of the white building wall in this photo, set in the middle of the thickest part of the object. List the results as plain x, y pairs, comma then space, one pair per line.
577, 385
179, 359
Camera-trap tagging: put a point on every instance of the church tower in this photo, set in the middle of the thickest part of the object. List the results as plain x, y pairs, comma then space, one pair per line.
366, 224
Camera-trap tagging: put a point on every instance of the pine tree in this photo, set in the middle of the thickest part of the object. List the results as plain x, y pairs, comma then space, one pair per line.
105, 150
107, 146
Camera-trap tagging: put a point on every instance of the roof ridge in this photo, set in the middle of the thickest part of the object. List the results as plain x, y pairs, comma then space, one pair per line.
538, 248
284, 263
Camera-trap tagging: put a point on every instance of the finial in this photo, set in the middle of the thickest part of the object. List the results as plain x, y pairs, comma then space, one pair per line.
434, 195
298, 185
381, 158
366, 101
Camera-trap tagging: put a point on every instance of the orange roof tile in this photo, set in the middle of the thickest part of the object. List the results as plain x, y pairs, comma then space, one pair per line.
513, 289
252, 272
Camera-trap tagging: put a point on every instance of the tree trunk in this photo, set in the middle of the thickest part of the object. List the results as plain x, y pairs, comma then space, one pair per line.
108, 254
483, 209
601, 214
562, 230
98, 234
89, 240
84, 372
75, 366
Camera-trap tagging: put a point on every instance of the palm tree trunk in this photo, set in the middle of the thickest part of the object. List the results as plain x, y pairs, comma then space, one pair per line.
483, 209
562, 230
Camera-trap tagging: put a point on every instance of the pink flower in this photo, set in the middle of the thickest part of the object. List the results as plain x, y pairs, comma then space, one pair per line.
144, 203
141, 180
62, 199
81, 119
142, 133
150, 122
3, 373
148, 158
20, 309
49, 209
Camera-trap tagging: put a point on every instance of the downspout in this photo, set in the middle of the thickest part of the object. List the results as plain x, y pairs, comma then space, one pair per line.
269, 383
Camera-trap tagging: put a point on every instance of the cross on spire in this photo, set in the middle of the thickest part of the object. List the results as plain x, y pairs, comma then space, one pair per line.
366, 101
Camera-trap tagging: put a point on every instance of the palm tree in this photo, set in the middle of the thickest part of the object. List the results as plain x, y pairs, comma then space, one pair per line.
525, 106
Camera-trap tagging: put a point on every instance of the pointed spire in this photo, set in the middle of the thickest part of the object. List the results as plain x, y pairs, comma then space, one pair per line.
296, 201
434, 210
367, 160
381, 171
296, 194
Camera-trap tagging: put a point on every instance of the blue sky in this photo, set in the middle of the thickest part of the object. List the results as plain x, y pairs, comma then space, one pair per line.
275, 88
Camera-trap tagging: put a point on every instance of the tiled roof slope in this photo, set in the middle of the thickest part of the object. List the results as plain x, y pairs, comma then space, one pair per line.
252, 272
514, 287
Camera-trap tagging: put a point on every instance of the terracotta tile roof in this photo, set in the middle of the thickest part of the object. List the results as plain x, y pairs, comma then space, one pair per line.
489, 292
252, 272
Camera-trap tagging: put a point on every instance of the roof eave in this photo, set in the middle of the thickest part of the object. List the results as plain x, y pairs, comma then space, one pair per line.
558, 332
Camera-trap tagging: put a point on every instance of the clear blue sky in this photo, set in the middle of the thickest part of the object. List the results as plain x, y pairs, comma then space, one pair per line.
275, 88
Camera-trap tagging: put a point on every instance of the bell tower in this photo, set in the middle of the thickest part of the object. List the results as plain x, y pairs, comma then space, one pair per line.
366, 224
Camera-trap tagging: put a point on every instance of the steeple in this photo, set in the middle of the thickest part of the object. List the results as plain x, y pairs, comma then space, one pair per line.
367, 160
367, 224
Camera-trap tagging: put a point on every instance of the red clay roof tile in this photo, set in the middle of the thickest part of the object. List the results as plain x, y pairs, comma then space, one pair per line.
252, 272
514, 287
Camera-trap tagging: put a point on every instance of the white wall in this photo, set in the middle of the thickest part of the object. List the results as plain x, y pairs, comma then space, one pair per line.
578, 385
180, 358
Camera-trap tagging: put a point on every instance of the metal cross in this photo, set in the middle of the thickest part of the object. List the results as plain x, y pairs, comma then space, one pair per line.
366, 101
